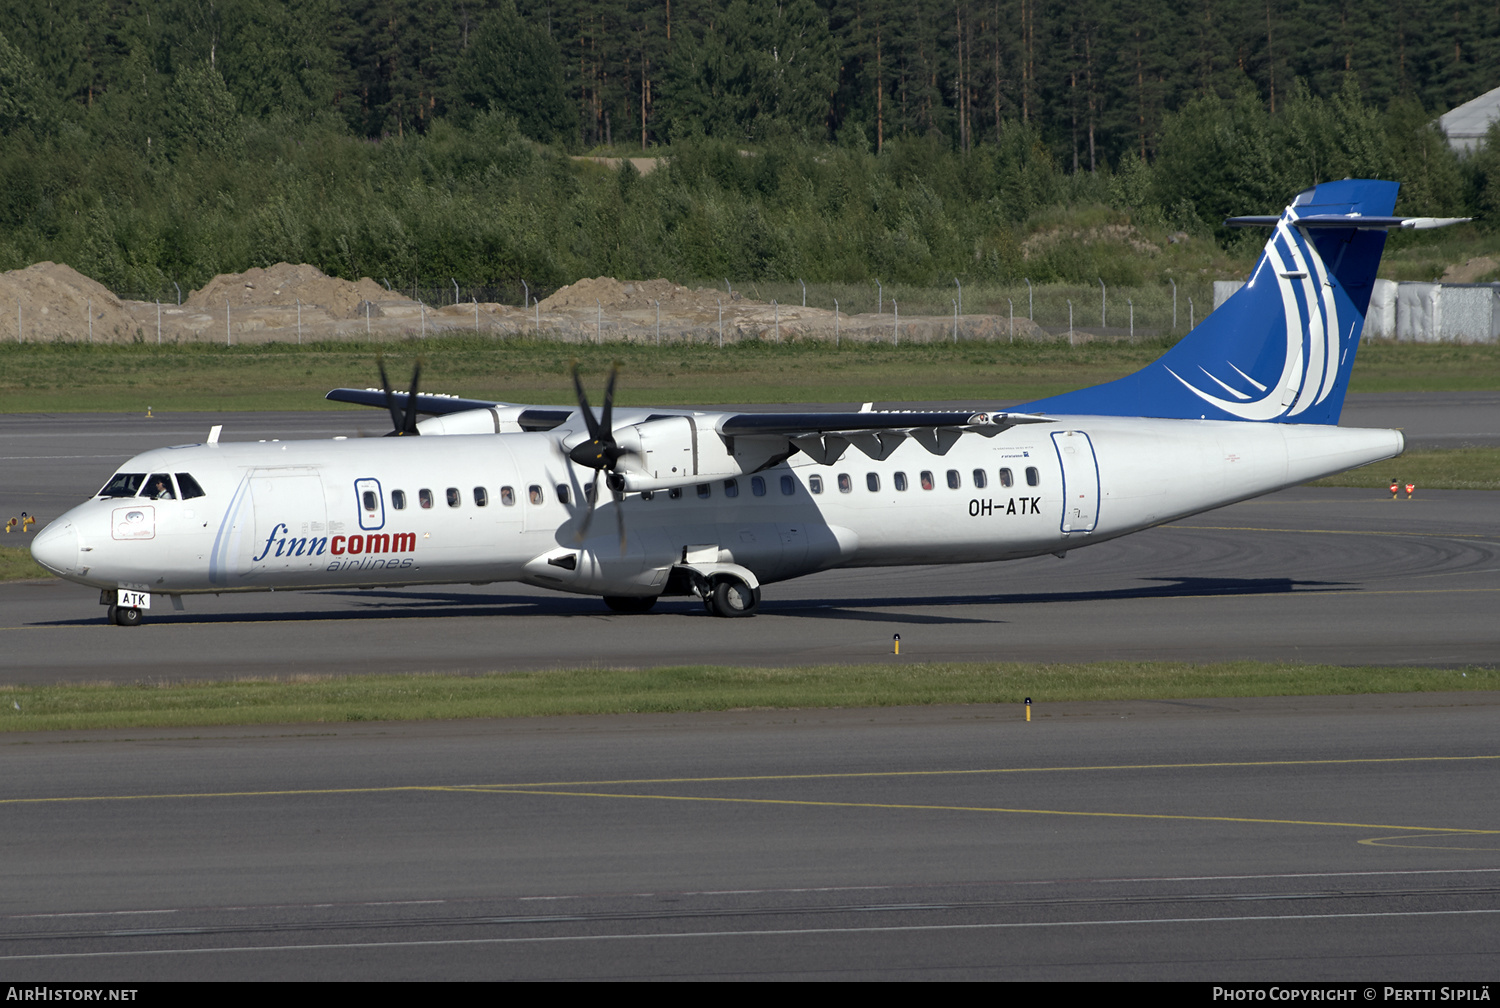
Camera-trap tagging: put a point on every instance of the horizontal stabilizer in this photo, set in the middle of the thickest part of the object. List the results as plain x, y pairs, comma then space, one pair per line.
1352, 220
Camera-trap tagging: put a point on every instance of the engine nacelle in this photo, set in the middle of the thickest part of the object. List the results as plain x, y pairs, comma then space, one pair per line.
493, 420
676, 450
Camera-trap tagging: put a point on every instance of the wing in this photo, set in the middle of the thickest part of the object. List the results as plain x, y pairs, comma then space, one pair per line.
427, 403
825, 437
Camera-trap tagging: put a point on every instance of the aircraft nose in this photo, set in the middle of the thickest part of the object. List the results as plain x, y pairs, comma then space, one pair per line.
56, 548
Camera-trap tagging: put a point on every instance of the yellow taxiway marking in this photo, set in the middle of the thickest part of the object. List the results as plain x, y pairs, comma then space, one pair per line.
519, 785
1413, 532
574, 790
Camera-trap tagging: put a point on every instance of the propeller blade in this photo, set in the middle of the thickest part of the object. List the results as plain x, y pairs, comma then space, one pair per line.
410, 426
620, 518
588, 519
606, 423
583, 405
390, 398
601, 452
403, 422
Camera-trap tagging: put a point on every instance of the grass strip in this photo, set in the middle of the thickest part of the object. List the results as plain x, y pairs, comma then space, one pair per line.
325, 699
1446, 469
76, 377
16, 563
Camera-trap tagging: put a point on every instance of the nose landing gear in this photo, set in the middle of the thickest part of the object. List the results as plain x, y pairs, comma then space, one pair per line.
124, 615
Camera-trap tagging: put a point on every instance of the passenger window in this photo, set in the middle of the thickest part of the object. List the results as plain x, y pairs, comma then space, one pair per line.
1032, 476
845, 483
1006, 479
954, 482
590, 492
398, 500
758, 486
481, 496
562, 493
927, 483
788, 486
534, 494
979, 479
731, 488
704, 489
454, 497
424, 498
123, 485
900, 480
872, 482
370, 501
159, 487
507, 497
189, 487
815, 484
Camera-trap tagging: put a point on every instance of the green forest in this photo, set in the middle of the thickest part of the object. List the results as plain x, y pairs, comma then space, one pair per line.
147, 143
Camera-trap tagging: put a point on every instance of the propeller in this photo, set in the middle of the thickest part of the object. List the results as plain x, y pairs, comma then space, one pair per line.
600, 452
403, 423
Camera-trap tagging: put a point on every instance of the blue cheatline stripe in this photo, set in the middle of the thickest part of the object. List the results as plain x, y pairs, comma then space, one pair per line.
218, 560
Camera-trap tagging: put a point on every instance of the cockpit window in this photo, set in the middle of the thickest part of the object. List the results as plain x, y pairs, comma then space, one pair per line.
159, 487
123, 485
189, 487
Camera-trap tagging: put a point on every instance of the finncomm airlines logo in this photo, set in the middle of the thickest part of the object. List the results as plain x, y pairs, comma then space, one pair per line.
357, 552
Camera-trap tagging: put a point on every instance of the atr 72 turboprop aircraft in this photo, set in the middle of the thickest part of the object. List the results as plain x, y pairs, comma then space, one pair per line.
713, 505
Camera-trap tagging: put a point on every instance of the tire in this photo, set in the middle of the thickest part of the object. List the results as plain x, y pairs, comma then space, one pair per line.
110, 615
733, 597
127, 615
630, 603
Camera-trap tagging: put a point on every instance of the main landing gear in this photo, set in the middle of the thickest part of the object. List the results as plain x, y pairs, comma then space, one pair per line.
732, 597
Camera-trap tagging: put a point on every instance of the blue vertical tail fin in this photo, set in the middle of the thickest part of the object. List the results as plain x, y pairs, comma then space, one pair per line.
1281, 348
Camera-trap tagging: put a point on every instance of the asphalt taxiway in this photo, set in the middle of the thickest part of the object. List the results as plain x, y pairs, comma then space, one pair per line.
1286, 839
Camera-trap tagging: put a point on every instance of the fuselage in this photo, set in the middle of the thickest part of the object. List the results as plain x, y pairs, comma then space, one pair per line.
511, 507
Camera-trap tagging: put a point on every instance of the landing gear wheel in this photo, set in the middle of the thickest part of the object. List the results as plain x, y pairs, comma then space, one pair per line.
733, 597
630, 603
125, 615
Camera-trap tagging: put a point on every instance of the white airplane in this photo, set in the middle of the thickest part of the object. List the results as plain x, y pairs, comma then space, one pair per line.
714, 505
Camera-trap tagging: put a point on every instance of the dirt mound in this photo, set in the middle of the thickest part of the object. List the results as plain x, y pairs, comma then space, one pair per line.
56, 302
284, 285
1122, 234
1471, 271
618, 295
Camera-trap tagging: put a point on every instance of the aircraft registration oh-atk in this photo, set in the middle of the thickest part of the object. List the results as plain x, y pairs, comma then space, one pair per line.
713, 505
